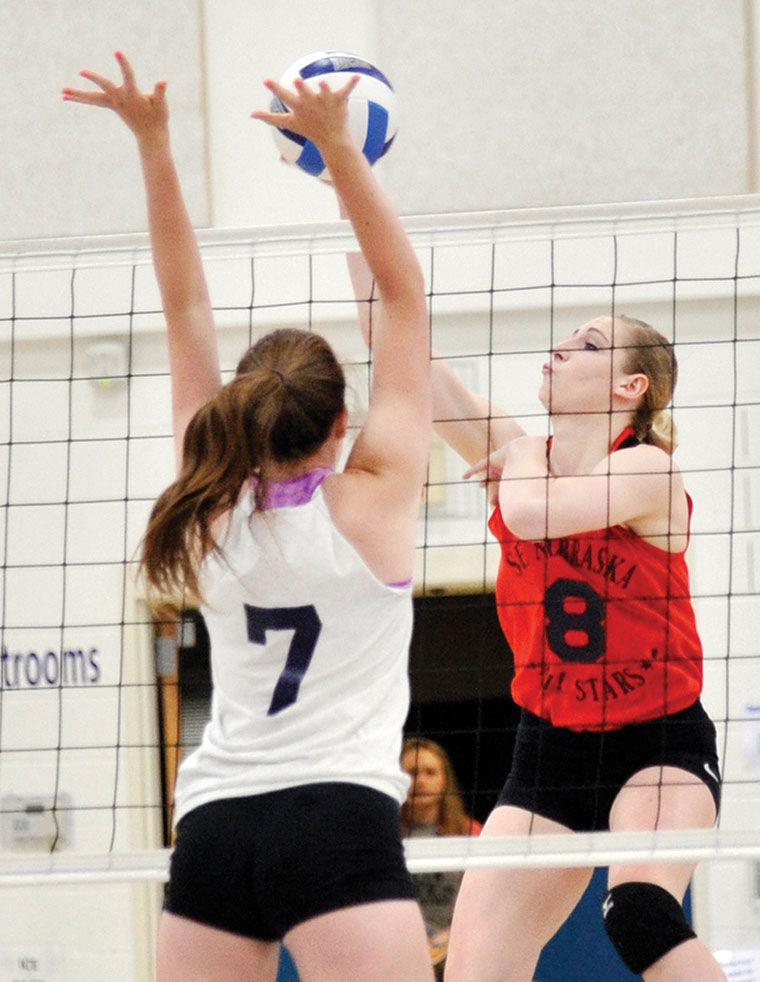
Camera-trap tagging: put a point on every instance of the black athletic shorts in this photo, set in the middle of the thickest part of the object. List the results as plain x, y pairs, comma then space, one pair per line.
259, 865
573, 777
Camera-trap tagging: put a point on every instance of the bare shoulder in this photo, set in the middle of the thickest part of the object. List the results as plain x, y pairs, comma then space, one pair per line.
378, 519
643, 458
525, 447
653, 481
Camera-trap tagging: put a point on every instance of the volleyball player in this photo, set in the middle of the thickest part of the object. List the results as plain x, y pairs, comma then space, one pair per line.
593, 598
288, 813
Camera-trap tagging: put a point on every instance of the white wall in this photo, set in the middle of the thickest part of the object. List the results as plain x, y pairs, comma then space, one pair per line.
502, 105
67, 170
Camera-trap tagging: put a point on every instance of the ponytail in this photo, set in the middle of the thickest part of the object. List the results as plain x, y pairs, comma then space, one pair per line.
651, 354
280, 407
662, 431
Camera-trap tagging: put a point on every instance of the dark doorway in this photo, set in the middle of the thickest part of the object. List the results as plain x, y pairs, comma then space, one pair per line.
460, 672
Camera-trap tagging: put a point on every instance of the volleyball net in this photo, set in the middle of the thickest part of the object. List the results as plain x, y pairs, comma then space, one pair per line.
101, 693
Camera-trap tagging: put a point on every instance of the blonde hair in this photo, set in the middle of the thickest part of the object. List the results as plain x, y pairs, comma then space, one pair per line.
651, 354
452, 817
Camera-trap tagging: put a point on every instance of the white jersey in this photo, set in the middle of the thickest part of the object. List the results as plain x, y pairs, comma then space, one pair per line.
309, 657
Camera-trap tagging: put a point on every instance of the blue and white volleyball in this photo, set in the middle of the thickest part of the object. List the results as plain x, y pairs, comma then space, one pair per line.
371, 108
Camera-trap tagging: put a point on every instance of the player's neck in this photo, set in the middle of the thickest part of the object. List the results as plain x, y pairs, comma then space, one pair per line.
581, 441
285, 471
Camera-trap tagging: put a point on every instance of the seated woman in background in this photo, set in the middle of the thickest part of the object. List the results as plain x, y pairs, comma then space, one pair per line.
434, 806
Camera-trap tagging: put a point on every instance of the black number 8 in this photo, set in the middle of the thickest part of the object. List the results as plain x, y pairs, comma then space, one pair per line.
587, 623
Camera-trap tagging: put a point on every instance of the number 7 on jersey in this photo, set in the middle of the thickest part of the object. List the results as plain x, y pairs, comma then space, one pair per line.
306, 625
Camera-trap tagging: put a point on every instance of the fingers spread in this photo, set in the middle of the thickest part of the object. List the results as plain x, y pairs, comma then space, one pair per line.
86, 96
126, 69
274, 119
349, 86
100, 80
108, 88
283, 94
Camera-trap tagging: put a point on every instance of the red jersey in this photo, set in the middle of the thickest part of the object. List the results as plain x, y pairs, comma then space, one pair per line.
601, 626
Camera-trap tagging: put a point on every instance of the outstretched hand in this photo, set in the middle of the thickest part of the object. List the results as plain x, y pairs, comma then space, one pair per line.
145, 113
319, 115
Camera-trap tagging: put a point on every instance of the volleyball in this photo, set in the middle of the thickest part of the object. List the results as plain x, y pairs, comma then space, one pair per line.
372, 116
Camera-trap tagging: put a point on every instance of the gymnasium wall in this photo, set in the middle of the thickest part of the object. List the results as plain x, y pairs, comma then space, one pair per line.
526, 103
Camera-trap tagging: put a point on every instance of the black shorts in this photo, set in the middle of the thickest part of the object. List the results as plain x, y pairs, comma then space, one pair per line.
259, 865
573, 777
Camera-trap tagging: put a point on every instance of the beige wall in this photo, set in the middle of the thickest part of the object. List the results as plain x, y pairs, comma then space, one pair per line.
69, 170
503, 104
535, 102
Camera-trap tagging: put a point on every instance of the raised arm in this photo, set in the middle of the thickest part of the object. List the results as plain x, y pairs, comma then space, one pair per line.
639, 488
395, 437
191, 335
467, 421
375, 501
471, 425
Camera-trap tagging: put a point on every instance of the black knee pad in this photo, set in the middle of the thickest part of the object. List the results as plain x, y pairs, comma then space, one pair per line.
643, 922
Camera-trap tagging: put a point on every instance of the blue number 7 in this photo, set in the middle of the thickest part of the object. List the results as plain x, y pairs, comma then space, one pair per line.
306, 625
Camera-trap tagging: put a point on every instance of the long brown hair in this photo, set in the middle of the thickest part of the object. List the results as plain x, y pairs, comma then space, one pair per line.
651, 354
288, 391
452, 817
